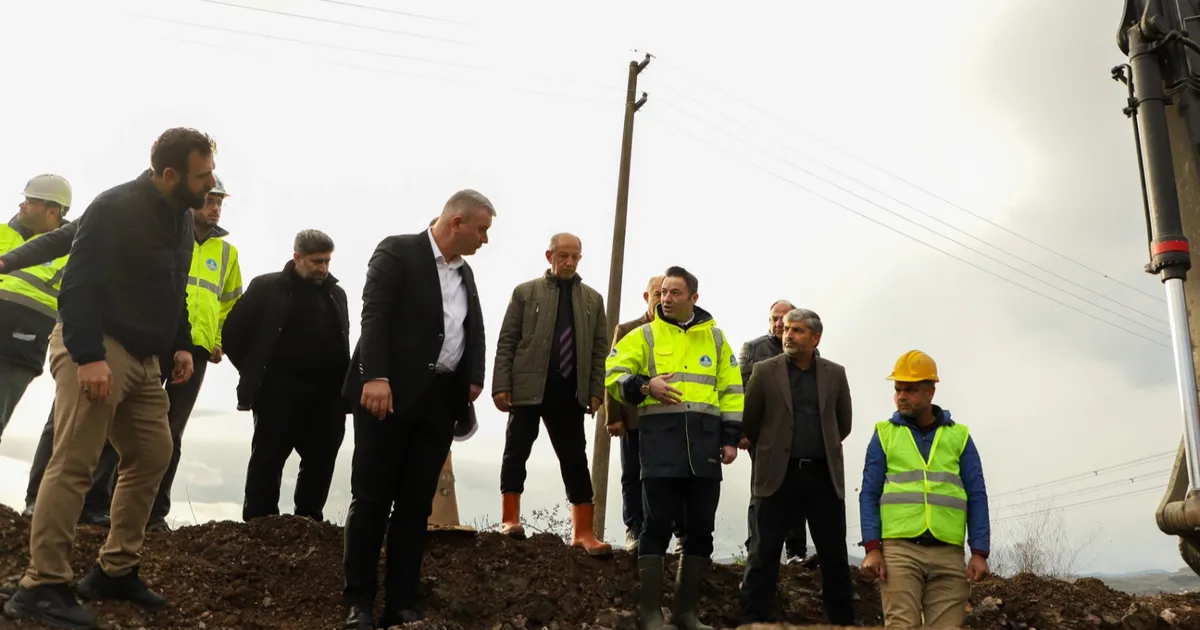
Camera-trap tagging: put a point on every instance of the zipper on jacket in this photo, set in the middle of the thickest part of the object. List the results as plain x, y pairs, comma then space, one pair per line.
687, 436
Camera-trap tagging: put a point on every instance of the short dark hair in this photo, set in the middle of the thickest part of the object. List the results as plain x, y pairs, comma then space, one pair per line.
693, 284
175, 145
309, 242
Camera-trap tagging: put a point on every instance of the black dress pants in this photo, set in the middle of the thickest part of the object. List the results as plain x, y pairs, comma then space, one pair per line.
807, 491
397, 464
301, 416
564, 424
796, 543
689, 502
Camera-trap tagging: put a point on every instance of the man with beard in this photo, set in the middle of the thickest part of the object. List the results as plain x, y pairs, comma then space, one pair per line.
798, 413
123, 305
214, 286
753, 351
29, 300
289, 338
682, 375
417, 369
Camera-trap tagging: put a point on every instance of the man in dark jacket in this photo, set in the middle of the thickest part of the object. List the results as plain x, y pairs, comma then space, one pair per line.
550, 366
415, 373
289, 338
122, 307
765, 347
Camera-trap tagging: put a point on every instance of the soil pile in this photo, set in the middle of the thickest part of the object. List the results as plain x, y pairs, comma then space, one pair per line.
285, 573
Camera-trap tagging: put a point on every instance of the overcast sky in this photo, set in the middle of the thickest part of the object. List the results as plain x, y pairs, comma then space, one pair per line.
761, 163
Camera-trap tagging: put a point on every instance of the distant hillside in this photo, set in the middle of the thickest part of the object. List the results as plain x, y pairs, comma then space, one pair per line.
1152, 582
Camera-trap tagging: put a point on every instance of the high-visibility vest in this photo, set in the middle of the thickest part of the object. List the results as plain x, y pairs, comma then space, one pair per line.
34, 287
920, 496
214, 286
702, 365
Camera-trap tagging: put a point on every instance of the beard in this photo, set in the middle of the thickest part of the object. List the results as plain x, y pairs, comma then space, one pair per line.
183, 195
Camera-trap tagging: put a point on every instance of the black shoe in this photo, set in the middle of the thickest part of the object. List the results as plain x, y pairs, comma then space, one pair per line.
53, 605
360, 619
95, 518
158, 525
98, 585
811, 562
398, 617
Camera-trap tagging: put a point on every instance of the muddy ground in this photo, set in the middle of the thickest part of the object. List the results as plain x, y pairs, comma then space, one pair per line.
285, 573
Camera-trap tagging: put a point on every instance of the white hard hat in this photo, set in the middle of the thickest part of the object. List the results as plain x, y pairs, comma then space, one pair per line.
49, 188
219, 189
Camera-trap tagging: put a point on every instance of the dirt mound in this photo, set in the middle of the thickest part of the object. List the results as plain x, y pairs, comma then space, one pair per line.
285, 573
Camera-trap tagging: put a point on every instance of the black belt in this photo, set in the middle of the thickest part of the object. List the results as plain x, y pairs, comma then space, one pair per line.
801, 462
927, 540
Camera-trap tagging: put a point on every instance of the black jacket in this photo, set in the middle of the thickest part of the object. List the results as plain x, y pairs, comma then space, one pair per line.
127, 275
402, 327
253, 325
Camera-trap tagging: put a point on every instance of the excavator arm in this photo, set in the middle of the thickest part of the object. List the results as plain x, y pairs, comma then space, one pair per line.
1162, 77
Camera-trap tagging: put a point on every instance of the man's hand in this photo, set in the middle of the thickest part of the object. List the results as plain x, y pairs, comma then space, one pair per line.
616, 429
377, 398
977, 568
95, 380
183, 367
475, 391
594, 405
728, 454
873, 566
661, 391
744, 444
503, 401
216, 355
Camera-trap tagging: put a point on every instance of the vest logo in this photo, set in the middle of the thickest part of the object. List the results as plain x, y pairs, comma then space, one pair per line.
211, 264
706, 361
613, 353
732, 360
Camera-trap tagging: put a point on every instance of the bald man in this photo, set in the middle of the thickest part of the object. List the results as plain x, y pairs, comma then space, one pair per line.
550, 367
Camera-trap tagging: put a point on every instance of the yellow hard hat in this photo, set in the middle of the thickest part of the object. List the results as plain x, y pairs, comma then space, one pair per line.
914, 366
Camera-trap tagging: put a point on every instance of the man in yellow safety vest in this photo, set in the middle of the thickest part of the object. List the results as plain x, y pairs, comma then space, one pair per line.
29, 298
214, 286
922, 492
682, 375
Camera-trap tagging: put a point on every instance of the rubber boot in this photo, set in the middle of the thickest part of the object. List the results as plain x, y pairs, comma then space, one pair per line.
584, 535
650, 574
692, 571
510, 522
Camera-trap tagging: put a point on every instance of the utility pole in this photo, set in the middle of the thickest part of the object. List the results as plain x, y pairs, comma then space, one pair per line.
602, 445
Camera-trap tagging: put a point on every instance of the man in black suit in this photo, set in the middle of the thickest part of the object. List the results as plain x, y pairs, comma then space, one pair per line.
415, 373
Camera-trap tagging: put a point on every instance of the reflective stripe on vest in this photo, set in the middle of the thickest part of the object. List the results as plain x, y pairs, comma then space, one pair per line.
34, 287
920, 496
698, 386
211, 261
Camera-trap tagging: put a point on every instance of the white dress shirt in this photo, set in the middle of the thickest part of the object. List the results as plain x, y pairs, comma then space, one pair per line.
454, 309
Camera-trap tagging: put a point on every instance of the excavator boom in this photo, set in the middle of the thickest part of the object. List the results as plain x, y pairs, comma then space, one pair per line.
1162, 77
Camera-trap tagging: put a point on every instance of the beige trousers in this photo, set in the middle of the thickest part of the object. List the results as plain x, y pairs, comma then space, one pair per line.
926, 586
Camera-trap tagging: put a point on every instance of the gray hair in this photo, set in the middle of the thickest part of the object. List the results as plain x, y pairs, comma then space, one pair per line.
554, 240
309, 242
811, 320
467, 199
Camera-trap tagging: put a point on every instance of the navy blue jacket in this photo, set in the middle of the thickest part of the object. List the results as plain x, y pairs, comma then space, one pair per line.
979, 530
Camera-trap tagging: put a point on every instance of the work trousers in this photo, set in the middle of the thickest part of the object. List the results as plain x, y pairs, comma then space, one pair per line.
134, 418
182, 399
564, 423
631, 482
926, 585
13, 383
691, 503
796, 543
307, 418
99, 497
807, 490
397, 464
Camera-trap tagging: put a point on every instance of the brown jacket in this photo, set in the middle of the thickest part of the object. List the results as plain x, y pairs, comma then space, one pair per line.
767, 421
523, 346
614, 411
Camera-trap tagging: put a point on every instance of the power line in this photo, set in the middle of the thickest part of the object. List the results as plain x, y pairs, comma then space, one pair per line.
901, 179
335, 22
1158, 474
395, 12
1088, 474
1152, 316
917, 240
1079, 504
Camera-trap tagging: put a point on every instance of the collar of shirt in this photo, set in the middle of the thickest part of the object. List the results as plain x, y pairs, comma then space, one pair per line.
437, 253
